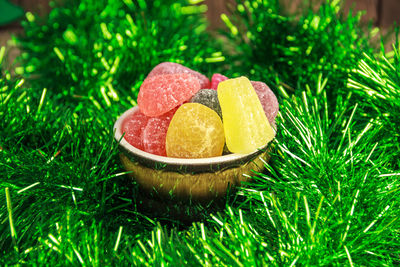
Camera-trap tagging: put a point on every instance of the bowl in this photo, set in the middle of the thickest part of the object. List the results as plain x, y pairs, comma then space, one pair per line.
201, 179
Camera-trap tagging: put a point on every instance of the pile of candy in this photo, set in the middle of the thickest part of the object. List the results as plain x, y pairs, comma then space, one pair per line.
181, 114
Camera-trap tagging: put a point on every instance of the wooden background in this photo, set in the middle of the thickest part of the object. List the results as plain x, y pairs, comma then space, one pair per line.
383, 13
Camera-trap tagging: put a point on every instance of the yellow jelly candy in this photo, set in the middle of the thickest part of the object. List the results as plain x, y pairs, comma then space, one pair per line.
195, 131
245, 124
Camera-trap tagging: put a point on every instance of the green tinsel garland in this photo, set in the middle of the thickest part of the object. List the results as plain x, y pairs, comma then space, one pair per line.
376, 82
330, 193
100, 51
292, 50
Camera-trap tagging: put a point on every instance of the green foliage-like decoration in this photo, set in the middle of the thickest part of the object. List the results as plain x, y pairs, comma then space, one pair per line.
335, 204
100, 51
292, 50
82, 67
376, 80
329, 195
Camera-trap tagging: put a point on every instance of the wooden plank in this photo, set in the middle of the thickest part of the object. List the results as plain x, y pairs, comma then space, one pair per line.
40, 7
368, 6
390, 13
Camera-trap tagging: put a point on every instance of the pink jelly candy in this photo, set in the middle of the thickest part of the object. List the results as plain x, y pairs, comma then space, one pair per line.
216, 79
268, 100
159, 94
155, 133
171, 68
133, 127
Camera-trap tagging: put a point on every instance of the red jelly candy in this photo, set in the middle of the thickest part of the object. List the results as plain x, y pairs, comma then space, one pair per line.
268, 100
147, 133
216, 79
155, 133
171, 68
159, 94
133, 127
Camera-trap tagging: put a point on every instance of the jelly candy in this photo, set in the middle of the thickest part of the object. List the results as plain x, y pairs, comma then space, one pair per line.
216, 79
268, 100
147, 133
154, 136
209, 98
195, 131
133, 127
245, 124
159, 94
155, 132
170, 68
267, 97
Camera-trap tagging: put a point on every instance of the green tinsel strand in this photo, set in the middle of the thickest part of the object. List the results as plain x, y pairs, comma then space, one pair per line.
340, 170
292, 50
329, 196
376, 81
100, 51
51, 162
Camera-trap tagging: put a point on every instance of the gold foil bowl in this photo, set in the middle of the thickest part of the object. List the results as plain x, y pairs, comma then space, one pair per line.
199, 180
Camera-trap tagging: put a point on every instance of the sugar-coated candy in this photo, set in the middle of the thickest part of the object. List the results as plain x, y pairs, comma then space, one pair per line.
209, 98
245, 123
155, 132
147, 133
154, 136
133, 127
160, 94
171, 68
216, 79
195, 131
268, 100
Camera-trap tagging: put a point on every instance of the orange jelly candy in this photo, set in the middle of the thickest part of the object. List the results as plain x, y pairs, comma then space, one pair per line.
195, 131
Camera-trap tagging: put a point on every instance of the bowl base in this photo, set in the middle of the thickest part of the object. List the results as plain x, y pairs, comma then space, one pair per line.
178, 211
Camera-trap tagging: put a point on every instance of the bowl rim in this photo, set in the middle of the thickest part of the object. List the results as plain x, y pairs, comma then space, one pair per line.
220, 160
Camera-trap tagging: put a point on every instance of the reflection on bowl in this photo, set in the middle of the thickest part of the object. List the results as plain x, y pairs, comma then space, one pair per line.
200, 179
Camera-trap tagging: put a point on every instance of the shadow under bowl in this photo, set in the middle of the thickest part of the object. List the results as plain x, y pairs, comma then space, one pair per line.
199, 180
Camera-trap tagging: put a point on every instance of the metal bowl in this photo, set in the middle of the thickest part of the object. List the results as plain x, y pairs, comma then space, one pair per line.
201, 179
